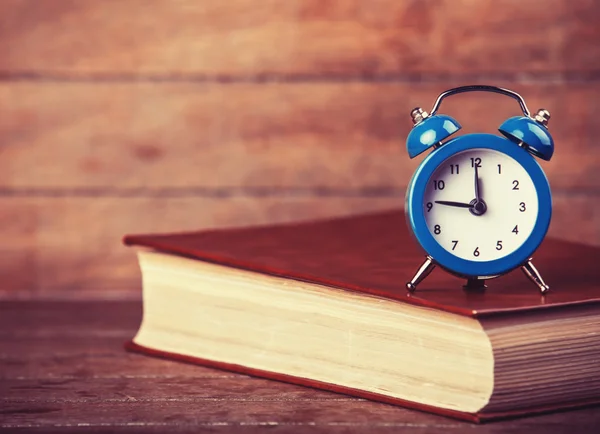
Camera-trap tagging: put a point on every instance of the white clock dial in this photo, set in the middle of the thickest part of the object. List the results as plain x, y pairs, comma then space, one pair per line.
507, 217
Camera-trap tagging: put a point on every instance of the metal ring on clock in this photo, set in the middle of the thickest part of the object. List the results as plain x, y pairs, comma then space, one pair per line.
480, 88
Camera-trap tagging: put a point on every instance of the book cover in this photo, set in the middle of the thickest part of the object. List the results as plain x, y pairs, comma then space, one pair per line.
375, 253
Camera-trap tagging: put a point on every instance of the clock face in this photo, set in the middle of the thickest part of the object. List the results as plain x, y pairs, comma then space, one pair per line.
489, 228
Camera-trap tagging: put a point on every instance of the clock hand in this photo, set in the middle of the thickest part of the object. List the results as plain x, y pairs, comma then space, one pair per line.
456, 204
477, 192
478, 205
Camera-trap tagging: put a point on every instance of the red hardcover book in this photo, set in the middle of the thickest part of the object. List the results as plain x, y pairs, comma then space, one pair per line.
323, 304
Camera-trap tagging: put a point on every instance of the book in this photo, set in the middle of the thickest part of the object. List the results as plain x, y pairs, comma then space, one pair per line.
323, 304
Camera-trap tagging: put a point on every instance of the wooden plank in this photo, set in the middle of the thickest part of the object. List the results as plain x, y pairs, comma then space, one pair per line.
201, 390
78, 363
238, 427
356, 416
19, 246
309, 37
123, 137
576, 218
25, 319
78, 248
99, 344
244, 427
215, 413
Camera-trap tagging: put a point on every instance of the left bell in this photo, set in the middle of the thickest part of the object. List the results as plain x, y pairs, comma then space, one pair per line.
428, 131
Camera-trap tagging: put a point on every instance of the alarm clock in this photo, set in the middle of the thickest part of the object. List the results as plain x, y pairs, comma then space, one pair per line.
479, 204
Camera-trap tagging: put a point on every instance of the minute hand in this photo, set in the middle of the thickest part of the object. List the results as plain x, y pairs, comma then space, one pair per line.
456, 204
477, 192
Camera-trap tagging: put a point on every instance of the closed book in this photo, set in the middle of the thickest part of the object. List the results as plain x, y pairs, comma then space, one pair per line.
323, 304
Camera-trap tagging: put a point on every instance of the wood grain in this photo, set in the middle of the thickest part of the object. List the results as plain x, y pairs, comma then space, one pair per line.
134, 137
354, 417
111, 364
298, 38
58, 317
153, 115
183, 398
36, 348
178, 411
19, 246
235, 389
78, 239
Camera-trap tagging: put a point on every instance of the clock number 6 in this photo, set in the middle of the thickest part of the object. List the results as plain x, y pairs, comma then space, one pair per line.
476, 252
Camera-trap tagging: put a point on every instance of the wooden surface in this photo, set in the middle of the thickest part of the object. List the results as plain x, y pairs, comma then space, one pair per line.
63, 369
157, 115
126, 137
349, 37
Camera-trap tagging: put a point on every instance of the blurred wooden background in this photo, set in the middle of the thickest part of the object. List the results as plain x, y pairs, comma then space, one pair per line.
160, 115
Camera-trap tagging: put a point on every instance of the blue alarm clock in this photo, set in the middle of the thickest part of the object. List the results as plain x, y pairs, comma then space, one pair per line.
479, 204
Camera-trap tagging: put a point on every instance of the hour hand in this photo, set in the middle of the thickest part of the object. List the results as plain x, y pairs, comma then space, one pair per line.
456, 204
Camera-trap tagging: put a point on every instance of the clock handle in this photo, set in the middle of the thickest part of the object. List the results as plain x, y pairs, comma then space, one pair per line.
481, 88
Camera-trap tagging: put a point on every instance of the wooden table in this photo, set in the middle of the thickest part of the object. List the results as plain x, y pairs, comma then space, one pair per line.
63, 368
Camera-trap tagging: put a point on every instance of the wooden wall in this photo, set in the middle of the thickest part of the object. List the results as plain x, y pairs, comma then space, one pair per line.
126, 116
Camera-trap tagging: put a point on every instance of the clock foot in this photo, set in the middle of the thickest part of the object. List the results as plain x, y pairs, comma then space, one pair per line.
475, 284
421, 274
534, 275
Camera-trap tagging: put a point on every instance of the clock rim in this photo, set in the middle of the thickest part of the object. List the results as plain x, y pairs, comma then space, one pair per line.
415, 213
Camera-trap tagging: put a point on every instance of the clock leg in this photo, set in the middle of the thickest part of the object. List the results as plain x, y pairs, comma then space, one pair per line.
534, 275
421, 274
